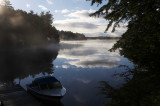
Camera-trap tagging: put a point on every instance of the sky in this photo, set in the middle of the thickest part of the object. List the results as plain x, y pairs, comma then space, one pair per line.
70, 15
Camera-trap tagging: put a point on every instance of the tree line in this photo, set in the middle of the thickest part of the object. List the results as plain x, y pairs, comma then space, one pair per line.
68, 35
104, 38
19, 28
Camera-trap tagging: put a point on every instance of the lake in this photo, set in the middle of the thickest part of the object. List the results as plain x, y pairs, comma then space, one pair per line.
78, 65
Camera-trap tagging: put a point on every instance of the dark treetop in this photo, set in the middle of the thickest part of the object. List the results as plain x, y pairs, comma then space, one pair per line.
19, 28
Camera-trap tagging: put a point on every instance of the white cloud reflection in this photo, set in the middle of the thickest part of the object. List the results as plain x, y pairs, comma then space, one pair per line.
65, 66
91, 54
99, 62
85, 81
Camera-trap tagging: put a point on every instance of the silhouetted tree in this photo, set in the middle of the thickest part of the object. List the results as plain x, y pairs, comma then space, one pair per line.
19, 28
143, 19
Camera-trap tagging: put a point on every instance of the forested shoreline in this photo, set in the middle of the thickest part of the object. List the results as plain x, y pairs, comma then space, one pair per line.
104, 38
19, 28
68, 35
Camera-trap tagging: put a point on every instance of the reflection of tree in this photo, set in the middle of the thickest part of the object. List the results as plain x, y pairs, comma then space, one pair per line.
20, 63
143, 88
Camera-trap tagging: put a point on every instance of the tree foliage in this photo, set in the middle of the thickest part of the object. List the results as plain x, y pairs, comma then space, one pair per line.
135, 12
19, 28
68, 35
140, 42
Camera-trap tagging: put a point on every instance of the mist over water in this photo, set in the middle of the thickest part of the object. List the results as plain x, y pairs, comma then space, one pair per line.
19, 63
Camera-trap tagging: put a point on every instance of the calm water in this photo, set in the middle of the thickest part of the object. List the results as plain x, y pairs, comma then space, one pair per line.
79, 65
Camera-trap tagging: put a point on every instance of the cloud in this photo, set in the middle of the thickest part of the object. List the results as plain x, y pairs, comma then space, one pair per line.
80, 26
42, 7
80, 21
64, 11
85, 25
56, 11
28, 5
81, 13
49, 2
78, 0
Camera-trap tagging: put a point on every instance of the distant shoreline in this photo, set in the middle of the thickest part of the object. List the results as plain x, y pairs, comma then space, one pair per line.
103, 38
92, 38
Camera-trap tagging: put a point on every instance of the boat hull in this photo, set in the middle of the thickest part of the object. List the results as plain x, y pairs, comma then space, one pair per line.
42, 96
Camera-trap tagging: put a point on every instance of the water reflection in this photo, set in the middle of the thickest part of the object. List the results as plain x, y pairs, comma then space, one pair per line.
19, 63
91, 53
80, 68
142, 89
142, 86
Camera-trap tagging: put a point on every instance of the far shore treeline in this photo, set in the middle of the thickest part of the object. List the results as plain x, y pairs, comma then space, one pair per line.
68, 35
19, 28
104, 38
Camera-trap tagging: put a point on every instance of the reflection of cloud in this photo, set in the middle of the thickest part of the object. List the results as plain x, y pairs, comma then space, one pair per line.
85, 81
65, 66
82, 53
99, 62
57, 66
83, 48
91, 53
69, 45
79, 99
